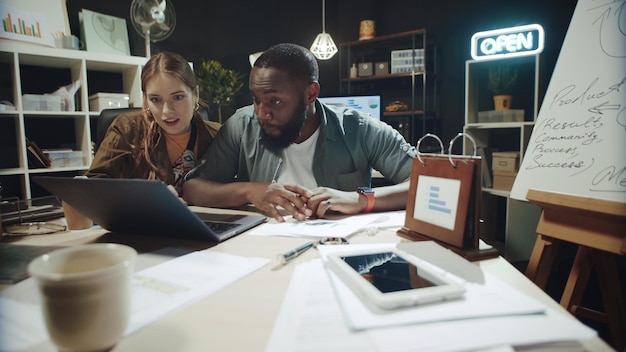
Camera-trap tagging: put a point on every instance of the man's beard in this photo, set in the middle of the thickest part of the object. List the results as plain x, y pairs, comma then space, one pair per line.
290, 132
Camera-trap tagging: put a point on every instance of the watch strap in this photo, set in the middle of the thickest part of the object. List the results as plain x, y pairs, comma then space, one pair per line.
371, 199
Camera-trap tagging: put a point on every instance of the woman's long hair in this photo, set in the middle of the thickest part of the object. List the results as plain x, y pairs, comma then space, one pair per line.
144, 145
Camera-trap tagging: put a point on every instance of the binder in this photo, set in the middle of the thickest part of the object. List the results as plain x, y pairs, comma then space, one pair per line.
444, 201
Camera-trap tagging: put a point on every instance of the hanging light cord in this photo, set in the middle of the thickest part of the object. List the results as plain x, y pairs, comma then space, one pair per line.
323, 16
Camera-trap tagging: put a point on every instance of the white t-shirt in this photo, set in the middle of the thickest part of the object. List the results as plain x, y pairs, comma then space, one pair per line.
297, 166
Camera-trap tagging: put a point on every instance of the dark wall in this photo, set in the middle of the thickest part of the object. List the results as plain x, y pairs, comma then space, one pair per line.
229, 31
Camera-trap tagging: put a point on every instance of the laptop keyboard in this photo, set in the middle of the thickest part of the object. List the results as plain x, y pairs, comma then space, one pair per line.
220, 227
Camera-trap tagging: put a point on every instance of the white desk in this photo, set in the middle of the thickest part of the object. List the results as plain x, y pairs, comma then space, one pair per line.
241, 316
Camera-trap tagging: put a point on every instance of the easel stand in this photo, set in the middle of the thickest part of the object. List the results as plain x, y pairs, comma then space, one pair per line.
598, 227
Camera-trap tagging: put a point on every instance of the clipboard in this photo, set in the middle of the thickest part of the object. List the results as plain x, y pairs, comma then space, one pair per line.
444, 201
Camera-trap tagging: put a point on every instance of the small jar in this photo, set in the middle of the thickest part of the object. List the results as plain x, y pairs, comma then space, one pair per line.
353, 71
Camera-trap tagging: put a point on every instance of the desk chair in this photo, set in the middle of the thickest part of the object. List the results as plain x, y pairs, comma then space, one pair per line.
104, 121
108, 115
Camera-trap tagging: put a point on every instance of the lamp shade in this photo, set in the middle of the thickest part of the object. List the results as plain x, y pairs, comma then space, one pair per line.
323, 46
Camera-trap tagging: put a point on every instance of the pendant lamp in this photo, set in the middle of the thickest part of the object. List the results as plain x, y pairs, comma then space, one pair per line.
323, 46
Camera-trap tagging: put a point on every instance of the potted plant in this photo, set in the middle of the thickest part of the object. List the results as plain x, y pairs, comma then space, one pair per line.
218, 85
501, 80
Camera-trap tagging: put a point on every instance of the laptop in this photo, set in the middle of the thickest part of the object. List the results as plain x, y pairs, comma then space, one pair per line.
144, 207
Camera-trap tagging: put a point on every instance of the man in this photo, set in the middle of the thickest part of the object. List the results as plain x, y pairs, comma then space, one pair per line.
290, 151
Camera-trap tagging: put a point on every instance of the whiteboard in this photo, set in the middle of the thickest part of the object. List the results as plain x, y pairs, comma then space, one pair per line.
578, 144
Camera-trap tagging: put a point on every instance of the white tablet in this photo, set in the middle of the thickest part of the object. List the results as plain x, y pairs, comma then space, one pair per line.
391, 278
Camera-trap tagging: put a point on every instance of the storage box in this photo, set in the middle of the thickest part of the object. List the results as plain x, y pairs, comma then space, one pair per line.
503, 180
512, 115
64, 157
381, 68
505, 161
46, 102
366, 69
407, 60
101, 101
407, 53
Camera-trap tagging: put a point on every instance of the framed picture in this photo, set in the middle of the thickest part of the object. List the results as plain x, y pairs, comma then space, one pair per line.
104, 33
34, 21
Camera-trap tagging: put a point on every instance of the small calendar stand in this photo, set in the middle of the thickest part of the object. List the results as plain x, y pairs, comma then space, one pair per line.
444, 201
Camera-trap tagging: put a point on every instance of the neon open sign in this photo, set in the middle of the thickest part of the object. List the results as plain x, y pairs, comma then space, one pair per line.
507, 42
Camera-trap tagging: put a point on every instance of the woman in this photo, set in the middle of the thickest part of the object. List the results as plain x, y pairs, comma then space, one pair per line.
164, 140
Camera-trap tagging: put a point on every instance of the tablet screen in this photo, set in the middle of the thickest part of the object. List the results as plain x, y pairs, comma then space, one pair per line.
388, 272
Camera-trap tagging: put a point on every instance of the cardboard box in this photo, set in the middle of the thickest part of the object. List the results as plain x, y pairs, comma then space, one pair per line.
101, 101
503, 180
366, 69
505, 161
37, 102
512, 115
381, 68
64, 157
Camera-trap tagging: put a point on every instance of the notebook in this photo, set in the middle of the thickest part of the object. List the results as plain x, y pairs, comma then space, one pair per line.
144, 207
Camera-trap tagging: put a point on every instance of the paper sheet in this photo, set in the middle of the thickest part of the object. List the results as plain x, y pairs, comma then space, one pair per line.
490, 298
334, 226
157, 291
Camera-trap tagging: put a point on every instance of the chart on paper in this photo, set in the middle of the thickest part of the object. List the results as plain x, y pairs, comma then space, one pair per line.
436, 201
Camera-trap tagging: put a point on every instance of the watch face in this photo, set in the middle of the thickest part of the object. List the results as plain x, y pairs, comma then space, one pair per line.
365, 190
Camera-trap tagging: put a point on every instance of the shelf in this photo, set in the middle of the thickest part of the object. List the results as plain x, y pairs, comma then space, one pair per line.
384, 39
505, 220
386, 76
403, 113
416, 88
489, 125
38, 70
497, 192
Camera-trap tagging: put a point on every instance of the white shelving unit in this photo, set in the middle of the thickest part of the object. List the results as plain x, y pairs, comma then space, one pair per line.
508, 224
34, 69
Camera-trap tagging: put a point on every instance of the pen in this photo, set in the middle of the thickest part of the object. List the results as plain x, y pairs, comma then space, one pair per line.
277, 172
292, 254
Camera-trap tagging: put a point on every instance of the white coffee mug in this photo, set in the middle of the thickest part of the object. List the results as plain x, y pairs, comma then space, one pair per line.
74, 218
71, 42
86, 294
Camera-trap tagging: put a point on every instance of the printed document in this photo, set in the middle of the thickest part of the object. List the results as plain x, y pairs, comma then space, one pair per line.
157, 291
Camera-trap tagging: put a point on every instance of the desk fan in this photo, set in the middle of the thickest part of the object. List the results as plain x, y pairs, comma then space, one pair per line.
153, 19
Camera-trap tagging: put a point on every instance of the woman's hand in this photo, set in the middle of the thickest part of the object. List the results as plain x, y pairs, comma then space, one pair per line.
173, 190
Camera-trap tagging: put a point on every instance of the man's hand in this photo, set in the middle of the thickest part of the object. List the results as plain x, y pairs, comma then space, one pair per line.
324, 200
292, 198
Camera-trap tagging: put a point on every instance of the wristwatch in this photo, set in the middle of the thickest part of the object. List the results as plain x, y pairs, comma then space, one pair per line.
368, 192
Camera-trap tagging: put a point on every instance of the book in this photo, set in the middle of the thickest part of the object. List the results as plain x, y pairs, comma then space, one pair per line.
14, 260
37, 159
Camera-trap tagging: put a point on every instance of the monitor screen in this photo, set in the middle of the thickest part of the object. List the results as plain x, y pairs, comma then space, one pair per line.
366, 103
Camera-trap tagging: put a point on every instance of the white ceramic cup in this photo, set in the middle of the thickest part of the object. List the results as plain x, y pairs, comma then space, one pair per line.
71, 42
86, 294
74, 218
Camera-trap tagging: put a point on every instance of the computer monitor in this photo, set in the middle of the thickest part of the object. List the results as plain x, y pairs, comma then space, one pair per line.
366, 103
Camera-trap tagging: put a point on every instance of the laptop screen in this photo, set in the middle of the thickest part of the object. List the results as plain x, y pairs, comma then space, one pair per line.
367, 103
